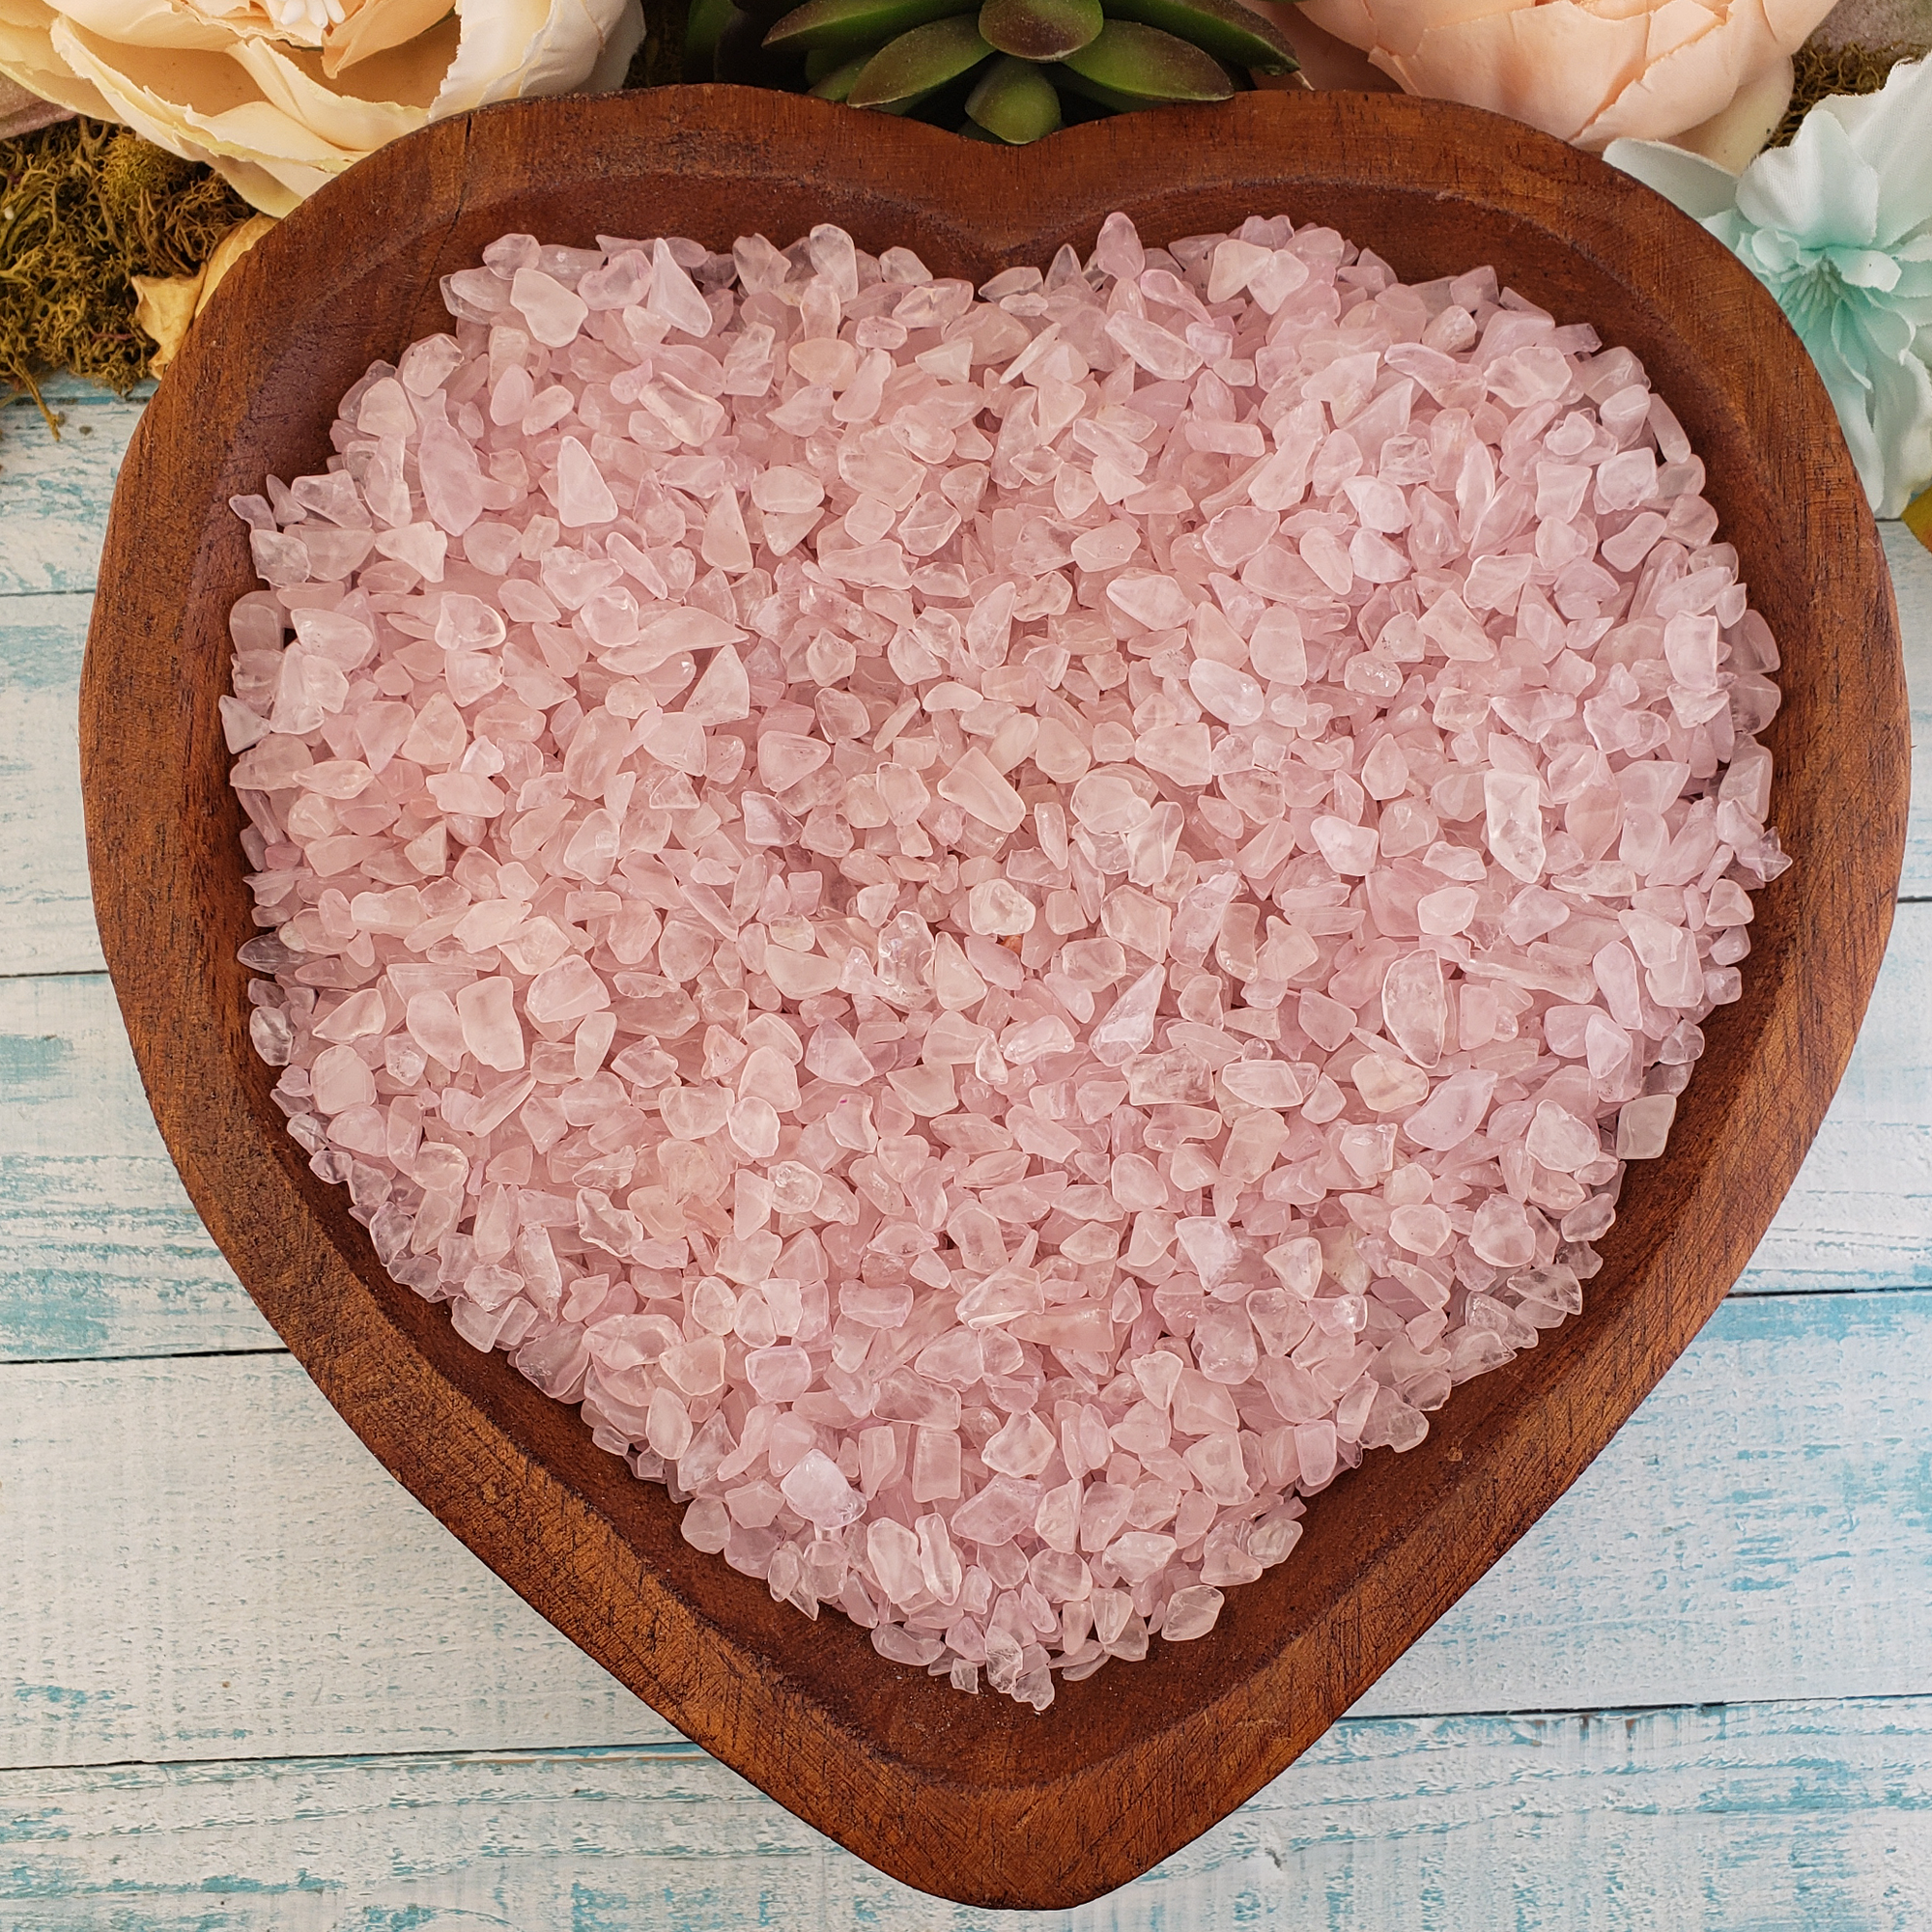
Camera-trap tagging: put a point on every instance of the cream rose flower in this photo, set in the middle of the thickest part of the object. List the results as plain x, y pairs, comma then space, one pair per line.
278, 95
1713, 75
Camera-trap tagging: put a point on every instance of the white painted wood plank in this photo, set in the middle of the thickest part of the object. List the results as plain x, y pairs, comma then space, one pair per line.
100, 1251
201, 1562
47, 916
1860, 1213
1912, 579
1775, 1816
54, 495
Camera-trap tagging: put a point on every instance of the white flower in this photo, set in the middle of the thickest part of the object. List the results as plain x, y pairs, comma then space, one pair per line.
1839, 227
279, 95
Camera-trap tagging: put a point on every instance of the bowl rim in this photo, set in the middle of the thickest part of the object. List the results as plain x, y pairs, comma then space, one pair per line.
967, 1797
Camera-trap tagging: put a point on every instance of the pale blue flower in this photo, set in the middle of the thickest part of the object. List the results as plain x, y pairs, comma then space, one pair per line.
1839, 227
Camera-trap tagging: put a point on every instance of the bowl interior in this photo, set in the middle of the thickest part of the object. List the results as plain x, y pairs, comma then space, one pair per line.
975, 1797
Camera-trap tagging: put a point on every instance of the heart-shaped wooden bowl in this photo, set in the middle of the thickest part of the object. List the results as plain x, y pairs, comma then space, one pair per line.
977, 1798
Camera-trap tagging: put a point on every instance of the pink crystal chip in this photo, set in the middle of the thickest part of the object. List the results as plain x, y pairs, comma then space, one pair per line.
1002, 928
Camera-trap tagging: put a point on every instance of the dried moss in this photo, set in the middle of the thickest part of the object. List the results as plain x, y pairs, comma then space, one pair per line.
84, 206
1822, 71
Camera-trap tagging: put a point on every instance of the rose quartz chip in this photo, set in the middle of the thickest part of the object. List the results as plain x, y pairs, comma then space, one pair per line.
976, 786
582, 496
1000, 931
551, 312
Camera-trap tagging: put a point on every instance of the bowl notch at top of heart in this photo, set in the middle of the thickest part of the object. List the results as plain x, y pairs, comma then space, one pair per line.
979, 1798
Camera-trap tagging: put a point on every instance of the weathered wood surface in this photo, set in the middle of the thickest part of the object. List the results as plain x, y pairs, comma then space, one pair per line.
46, 923
53, 495
1912, 578
103, 1255
100, 1252
1773, 1817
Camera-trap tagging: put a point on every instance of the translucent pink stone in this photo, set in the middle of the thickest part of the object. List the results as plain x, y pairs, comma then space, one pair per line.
491, 1029
1225, 693
1350, 849
1000, 931
452, 478
1415, 1008
819, 1493
996, 909
1514, 824
582, 496
785, 756
835, 1056
977, 787
551, 312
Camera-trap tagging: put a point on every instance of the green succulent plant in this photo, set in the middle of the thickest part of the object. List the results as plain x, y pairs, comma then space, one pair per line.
1007, 70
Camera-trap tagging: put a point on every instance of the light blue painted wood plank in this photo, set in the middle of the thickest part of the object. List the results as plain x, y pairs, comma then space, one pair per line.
201, 1562
64, 392
1860, 1213
54, 495
100, 1251
47, 915
1761, 1527
1912, 579
1770, 1818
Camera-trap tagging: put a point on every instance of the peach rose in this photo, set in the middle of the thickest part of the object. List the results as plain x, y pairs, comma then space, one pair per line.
1710, 75
278, 95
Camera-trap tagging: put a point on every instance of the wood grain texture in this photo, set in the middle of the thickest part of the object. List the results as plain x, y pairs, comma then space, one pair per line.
200, 1562
1781, 1817
1860, 1213
102, 1254
983, 1804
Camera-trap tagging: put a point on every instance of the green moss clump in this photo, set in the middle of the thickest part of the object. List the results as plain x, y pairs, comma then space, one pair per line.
83, 207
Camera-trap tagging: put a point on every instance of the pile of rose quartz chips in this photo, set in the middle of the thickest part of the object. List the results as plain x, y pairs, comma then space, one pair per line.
1002, 929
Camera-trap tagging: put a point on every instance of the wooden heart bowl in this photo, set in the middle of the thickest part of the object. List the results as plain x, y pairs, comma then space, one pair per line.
977, 1798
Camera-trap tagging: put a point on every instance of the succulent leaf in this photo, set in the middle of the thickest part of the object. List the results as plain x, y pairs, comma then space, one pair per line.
707, 21
906, 70
1014, 100
1129, 66
835, 81
1231, 32
1040, 30
848, 25
1059, 60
